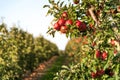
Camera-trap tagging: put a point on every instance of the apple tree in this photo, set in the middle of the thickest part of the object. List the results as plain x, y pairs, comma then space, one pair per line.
97, 23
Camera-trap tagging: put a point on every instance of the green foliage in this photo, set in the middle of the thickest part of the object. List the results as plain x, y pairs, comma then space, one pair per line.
56, 66
20, 52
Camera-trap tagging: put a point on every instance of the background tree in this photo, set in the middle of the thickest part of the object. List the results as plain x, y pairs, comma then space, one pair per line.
21, 52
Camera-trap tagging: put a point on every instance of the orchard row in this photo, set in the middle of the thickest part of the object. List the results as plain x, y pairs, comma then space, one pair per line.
20, 52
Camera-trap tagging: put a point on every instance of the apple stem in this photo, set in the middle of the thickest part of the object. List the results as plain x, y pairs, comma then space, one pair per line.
91, 11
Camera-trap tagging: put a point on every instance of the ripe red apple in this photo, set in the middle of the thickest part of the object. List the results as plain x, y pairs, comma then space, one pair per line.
63, 29
76, 1
56, 26
112, 42
81, 25
78, 23
61, 22
115, 52
93, 75
98, 54
104, 55
100, 72
69, 22
111, 73
64, 15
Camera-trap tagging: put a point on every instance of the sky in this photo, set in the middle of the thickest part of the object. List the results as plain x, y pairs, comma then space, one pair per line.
30, 16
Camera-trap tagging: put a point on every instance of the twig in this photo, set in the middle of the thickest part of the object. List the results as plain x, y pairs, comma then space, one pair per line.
91, 11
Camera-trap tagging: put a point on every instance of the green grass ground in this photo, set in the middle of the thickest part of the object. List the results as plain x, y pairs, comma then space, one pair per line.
56, 66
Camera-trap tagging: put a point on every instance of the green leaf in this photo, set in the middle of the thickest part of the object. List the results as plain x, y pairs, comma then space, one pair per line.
61, 4
49, 12
118, 15
65, 67
51, 1
58, 2
46, 6
116, 59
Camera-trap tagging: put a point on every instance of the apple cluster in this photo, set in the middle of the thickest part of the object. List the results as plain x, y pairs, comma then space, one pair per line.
98, 73
64, 23
61, 24
113, 43
102, 72
102, 55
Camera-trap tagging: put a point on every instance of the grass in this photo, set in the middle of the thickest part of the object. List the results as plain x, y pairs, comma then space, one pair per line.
56, 66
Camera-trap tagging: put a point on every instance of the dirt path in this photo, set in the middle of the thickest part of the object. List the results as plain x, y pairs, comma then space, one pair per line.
40, 71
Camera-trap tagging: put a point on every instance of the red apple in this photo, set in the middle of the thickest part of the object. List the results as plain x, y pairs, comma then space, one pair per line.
104, 55
81, 25
100, 72
111, 73
112, 42
93, 75
78, 23
76, 1
64, 15
63, 29
115, 52
61, 22
98, 54
56, 26
69, 22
